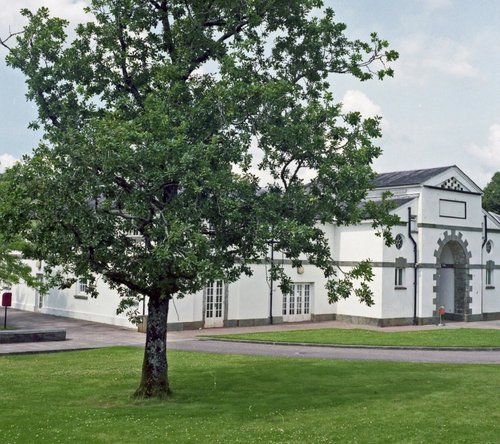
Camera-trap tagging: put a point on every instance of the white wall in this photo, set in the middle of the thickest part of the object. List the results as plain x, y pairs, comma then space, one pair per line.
248, 298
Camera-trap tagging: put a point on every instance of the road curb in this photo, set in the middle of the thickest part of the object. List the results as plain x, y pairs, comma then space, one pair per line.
369, 347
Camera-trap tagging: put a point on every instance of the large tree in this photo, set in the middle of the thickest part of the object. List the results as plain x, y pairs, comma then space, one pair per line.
491, 197
159, 118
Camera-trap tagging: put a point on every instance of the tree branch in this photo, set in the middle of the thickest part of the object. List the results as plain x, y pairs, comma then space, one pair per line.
214, 22
244, 20
294, 175
283, 172
206, 55
169, 45
122, 279
127, 78
155, 4
3, 42
122, 183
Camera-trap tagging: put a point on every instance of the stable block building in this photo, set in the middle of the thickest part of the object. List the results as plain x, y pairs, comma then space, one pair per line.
446, 257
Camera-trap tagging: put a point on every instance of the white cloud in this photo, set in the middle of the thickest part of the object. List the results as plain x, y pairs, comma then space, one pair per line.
450, 58
488, 155
355, 100
6, 161
433, 5
71, 10
423, 58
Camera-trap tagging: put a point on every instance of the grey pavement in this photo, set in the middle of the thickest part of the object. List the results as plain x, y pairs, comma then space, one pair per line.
80, 334
85, 334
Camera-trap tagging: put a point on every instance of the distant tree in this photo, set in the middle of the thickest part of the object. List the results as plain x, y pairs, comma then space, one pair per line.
491, 197
12, 268
158, 118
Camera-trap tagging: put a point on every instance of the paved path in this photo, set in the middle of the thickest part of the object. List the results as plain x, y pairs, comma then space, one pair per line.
80, 334
84, 334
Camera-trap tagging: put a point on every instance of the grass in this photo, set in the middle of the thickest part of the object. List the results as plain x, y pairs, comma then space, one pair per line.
456, 337
85, 397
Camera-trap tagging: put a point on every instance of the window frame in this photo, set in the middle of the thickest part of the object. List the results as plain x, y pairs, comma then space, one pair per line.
488, 279
489, 275
399, 241
83, 286
81, 291
399, 278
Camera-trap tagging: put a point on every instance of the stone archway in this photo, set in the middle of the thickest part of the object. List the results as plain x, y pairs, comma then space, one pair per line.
452, 278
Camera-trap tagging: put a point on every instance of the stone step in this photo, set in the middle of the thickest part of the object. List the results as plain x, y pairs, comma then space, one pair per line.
32, 335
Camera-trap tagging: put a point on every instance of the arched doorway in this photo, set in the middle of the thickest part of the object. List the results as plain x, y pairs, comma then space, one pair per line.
452, 278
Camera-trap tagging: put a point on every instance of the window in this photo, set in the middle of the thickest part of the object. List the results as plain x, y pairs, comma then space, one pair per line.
307, 298
214, 297
39, 294
489, 246
298, 301
398, 241
82, 286
489, 277
399, 277
81, 289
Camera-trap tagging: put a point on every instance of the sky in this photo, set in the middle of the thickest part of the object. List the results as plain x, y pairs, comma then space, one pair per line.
441, 108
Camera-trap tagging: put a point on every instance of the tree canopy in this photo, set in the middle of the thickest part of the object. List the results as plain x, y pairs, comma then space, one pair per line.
491, 196
12, 268
206, 128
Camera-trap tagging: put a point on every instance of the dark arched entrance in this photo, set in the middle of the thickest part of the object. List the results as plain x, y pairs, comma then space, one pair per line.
452, 277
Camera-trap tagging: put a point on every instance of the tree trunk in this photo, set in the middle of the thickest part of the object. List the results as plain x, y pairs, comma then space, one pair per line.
154, 380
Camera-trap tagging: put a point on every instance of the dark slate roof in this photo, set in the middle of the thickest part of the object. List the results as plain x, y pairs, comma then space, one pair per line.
399, 203
402, 201
495, 216
402, 178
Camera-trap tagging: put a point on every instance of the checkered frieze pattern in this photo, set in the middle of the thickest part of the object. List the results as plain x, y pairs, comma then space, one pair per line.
452, 184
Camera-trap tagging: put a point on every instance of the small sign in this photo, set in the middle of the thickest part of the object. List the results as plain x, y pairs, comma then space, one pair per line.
441, 311
6, 302
6, 299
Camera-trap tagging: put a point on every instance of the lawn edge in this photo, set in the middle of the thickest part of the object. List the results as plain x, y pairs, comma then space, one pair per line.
382, 347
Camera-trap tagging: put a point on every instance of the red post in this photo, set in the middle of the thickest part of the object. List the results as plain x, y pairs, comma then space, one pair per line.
7, 299
6, 302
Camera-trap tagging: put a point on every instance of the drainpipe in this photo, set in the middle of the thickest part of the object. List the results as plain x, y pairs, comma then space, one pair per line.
271, 243
482, 262
485, 231
414, 268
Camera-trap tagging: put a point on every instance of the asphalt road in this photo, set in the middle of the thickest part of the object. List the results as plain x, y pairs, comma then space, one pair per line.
346, 353
84, 334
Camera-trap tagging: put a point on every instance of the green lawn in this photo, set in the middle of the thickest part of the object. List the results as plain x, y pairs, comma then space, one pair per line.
85, 397
456, 337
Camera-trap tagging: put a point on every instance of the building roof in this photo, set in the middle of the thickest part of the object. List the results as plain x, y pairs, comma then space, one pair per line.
402, 178
495, 216
402, 201
398, 202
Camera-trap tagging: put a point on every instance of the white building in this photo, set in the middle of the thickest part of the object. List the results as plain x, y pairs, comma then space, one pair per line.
446, 254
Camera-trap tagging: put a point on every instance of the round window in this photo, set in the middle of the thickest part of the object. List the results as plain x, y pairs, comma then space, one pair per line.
489, 246
398, 241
